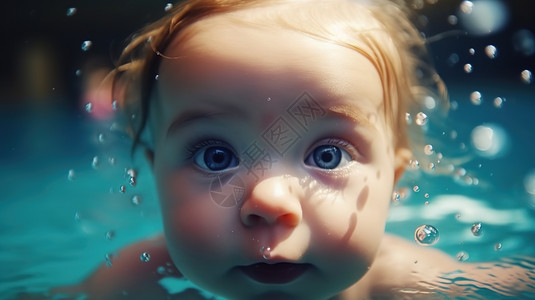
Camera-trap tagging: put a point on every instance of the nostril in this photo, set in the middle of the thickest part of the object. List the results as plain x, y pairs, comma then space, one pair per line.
254, 220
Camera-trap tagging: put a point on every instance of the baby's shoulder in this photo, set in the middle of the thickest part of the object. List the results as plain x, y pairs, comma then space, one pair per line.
402, 268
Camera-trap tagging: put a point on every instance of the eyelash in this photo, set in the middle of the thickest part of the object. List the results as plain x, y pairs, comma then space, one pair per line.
201, 143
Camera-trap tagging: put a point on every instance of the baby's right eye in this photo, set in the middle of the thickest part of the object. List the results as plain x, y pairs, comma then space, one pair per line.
215, 158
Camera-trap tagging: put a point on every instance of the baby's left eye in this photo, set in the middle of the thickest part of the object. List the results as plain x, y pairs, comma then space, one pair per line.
328, 157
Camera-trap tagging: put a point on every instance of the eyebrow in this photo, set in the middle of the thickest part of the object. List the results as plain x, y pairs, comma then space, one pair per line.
352, 114
196, 115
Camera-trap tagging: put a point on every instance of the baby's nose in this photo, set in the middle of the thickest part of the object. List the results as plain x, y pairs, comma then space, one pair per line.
273, 200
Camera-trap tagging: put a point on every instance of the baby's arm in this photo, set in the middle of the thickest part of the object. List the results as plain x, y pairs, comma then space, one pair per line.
405, 269
129, 276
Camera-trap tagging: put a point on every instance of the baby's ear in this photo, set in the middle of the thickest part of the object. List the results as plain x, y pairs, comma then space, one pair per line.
403, 155
149, 155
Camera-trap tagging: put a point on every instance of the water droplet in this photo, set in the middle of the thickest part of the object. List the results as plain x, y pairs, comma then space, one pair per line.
168, 7
136, 200
472, 51
498, 247
466, 7
491, 51
95, 163
71, 175
416, 188
421, 119
462, 256
452, 19
498, 102
475, 98
467, 68
526, 76
109, 259
408, 118
122, 189
86, 45
490, 140
265, 252
426, 235
71, 11
428, 150
145, 257
89, 107
110, 235
477, 229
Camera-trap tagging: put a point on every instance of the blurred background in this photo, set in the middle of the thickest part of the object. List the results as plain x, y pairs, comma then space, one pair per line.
43, 62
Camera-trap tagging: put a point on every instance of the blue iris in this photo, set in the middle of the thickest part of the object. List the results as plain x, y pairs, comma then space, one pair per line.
325, 157
217, 159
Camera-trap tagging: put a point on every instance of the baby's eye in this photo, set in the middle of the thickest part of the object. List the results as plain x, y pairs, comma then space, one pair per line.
215, 158
328, 157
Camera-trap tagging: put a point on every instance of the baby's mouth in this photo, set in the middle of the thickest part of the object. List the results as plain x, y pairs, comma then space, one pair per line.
278, 273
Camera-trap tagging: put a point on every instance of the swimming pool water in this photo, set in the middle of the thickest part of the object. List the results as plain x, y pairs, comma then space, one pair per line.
63, 208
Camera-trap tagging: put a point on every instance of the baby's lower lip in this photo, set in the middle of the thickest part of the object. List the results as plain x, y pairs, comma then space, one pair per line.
278, 273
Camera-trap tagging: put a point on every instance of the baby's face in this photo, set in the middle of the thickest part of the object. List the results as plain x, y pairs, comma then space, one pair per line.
273, 161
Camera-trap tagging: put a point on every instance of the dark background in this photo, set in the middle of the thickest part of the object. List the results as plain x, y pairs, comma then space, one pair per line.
41, 51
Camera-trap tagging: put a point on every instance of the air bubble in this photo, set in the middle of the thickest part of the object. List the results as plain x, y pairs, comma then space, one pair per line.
122, 189
86, 45
426, 235
168, 7
156, 77
71, 175
101, 138
78, 73
498, 102
498, 247
462, 256
484, 16
265, 252
466, 7
431, 166
110, 235
452, 19
467, 68
426, 195
71, 11
475, 98
145, 257
491, 51
132, 181
416, 188
428, 150
472, 51
114, 105
453, 59
421, 119
408, 118
136, 200
95, 163
490, 140
109, 259
414, 164
526, 76
89, 107
430, 103
477, 229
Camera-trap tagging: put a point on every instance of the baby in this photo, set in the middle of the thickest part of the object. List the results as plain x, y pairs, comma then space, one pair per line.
276, 133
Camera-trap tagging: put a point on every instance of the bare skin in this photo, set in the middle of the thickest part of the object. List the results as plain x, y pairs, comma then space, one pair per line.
402, 270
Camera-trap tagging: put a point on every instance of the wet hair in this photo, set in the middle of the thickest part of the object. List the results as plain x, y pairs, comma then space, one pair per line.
381, 30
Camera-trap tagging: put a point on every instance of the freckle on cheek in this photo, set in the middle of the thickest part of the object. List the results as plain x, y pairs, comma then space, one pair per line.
363, 198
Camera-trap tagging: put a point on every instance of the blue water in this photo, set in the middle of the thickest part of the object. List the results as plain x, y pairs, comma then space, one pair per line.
62, 211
